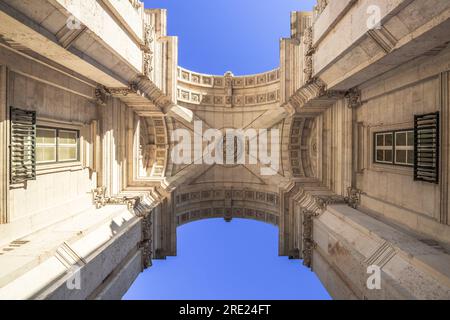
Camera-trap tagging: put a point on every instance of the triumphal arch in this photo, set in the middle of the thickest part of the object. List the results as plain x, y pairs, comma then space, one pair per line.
104, 141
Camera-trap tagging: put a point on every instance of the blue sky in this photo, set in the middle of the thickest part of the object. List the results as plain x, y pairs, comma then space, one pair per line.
237, 260
241, 36
227, 261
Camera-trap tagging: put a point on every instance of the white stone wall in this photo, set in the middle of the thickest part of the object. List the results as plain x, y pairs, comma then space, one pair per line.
59, 190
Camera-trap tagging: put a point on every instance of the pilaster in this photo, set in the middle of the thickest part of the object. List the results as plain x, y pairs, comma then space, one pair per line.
4, 150
444, 100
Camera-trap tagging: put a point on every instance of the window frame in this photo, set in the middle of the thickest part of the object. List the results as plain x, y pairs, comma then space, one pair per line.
403, 148
394, 149
377, 148
58, 129
47, 145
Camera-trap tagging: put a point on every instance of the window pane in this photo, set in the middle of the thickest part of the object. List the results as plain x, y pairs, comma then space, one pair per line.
67, 137
380, 140
411, 157
411, 138
400, 139
388, 140
67, 153
380, 156
400, 156
45, 136
45, 154
388, 155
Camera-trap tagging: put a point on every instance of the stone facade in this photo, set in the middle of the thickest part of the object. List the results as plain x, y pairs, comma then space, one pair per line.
343, 201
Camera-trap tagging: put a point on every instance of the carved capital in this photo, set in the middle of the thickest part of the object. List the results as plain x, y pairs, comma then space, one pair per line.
100, 95
353, 98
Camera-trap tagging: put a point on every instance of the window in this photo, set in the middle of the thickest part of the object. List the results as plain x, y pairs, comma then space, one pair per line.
395, 147
67, 145
56, 145
404, 148
45, 145
383, 147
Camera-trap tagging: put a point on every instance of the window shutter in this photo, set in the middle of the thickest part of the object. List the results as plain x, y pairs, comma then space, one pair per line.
23, 145
426, 148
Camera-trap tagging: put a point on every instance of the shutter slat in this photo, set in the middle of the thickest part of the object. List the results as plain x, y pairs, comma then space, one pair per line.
23, 145
426, 148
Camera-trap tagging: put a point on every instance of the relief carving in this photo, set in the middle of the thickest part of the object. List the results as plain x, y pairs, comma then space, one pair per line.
307, 236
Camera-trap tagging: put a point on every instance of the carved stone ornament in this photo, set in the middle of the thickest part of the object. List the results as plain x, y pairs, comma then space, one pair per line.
353, 99
307, 236
100, 95
147, 65
308, 41
308, 68
148, 38
132, 88
353, 198
146, 243
136, 3
320, 6
101, 200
